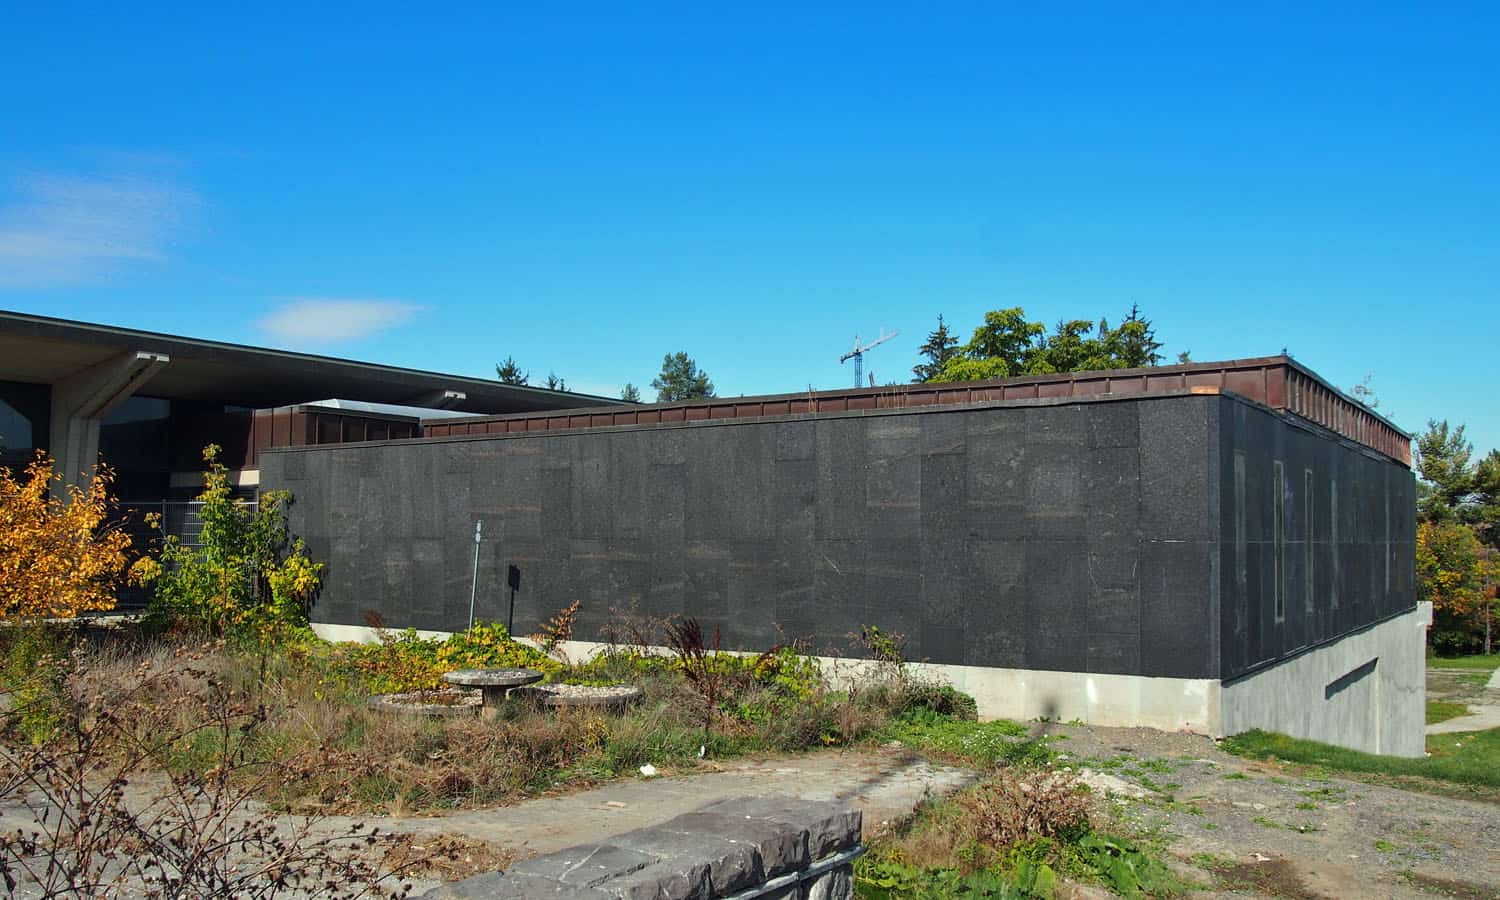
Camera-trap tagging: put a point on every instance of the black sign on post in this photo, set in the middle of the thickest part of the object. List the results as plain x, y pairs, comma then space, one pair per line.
513, 579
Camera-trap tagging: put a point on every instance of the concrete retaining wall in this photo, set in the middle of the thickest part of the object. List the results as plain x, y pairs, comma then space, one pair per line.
1365, 691
748, 847
1323, 694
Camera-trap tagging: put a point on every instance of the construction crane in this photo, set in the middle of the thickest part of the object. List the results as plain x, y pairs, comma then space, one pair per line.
858, 355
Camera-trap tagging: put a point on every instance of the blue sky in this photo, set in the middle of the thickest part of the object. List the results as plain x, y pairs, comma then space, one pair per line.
592, 187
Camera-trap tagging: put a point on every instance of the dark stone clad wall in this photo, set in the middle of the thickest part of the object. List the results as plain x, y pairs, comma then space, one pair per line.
1073, 536
1359, 540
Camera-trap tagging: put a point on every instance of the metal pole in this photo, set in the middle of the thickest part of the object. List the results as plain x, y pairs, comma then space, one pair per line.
474, 584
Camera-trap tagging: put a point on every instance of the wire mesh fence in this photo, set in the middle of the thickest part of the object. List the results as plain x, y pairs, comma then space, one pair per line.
179, 518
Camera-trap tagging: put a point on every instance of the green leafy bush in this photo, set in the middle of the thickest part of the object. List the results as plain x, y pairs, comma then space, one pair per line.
879, 879
245, 579
1122, 865
943, 699
403, 661
32, 672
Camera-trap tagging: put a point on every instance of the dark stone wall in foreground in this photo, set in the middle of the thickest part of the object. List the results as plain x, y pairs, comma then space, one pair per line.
1073, 536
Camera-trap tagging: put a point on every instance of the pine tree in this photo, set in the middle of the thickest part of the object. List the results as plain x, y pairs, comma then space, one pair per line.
554, 383
941, 346
681, 379
1444, 462
1137, 339
510, 373
630, 393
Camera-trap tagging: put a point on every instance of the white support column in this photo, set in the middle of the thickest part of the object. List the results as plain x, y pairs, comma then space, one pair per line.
80, 402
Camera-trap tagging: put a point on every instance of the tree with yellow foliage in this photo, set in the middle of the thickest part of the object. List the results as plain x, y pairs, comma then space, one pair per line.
60, 554
1451, 573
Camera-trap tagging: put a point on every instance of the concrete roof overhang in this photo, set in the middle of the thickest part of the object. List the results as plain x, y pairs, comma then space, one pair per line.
44, 350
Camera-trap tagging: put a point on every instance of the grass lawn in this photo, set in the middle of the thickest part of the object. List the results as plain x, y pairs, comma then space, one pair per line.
1469, 758
1476, 663
1442, 711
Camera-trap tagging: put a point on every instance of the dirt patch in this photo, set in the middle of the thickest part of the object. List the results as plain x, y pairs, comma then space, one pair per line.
444, 857
1274, 878
1448, 887
1261, 819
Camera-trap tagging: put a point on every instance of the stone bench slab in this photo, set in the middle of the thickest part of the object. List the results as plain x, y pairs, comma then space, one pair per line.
728, 848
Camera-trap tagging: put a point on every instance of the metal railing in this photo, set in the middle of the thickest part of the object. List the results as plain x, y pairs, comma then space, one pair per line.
180, 518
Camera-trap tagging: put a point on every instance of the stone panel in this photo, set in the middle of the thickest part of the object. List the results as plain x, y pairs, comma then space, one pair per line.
1091, 536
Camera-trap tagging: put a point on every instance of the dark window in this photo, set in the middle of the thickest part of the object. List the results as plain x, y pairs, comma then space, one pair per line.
15, 429
1356, 534
1307, 540
1333, 544
1278, 540
1387, 596
138, 409
1241, 556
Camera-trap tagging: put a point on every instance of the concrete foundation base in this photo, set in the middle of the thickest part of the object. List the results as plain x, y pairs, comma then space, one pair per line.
1365, 691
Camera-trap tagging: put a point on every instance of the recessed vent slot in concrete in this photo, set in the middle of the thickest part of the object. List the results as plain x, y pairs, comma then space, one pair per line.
1348, 679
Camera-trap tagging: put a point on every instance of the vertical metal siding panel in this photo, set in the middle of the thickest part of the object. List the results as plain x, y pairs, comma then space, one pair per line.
1276, 386
262, 433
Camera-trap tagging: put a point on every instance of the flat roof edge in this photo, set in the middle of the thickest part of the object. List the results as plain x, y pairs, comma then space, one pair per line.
1023, 403
59, 329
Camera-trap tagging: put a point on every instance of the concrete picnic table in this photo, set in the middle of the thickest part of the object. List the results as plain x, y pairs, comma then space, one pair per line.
493, 684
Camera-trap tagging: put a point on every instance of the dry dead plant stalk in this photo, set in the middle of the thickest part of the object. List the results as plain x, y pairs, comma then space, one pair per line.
698, 657
145, 787
1014, 807
632, 632
557, 631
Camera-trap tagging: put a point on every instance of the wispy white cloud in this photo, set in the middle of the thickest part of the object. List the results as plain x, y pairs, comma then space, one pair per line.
62, 229
333, 319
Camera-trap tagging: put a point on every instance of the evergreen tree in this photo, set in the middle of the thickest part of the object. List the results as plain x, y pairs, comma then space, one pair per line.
630, 393
1443, 462
1137, 341
554, 383
681, 379
941, 346
510, 373
1458, 508
1485, 508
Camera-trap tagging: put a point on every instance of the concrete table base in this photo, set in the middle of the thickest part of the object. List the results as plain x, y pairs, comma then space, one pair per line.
493, 684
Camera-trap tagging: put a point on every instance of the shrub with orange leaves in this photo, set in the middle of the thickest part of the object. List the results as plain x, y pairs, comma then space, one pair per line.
1451, 572
60, 554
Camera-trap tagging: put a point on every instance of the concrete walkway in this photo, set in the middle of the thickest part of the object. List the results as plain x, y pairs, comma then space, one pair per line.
1482, 715
1480, 718
886, 784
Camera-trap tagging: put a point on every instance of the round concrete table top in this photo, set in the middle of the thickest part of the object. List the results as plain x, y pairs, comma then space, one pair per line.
493, 678
608, 696
443, 702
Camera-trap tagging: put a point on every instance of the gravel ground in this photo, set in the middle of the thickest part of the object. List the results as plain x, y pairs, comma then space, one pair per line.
1253, 828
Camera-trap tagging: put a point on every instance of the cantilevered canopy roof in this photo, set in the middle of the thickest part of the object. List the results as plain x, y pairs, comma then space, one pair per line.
43, 350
